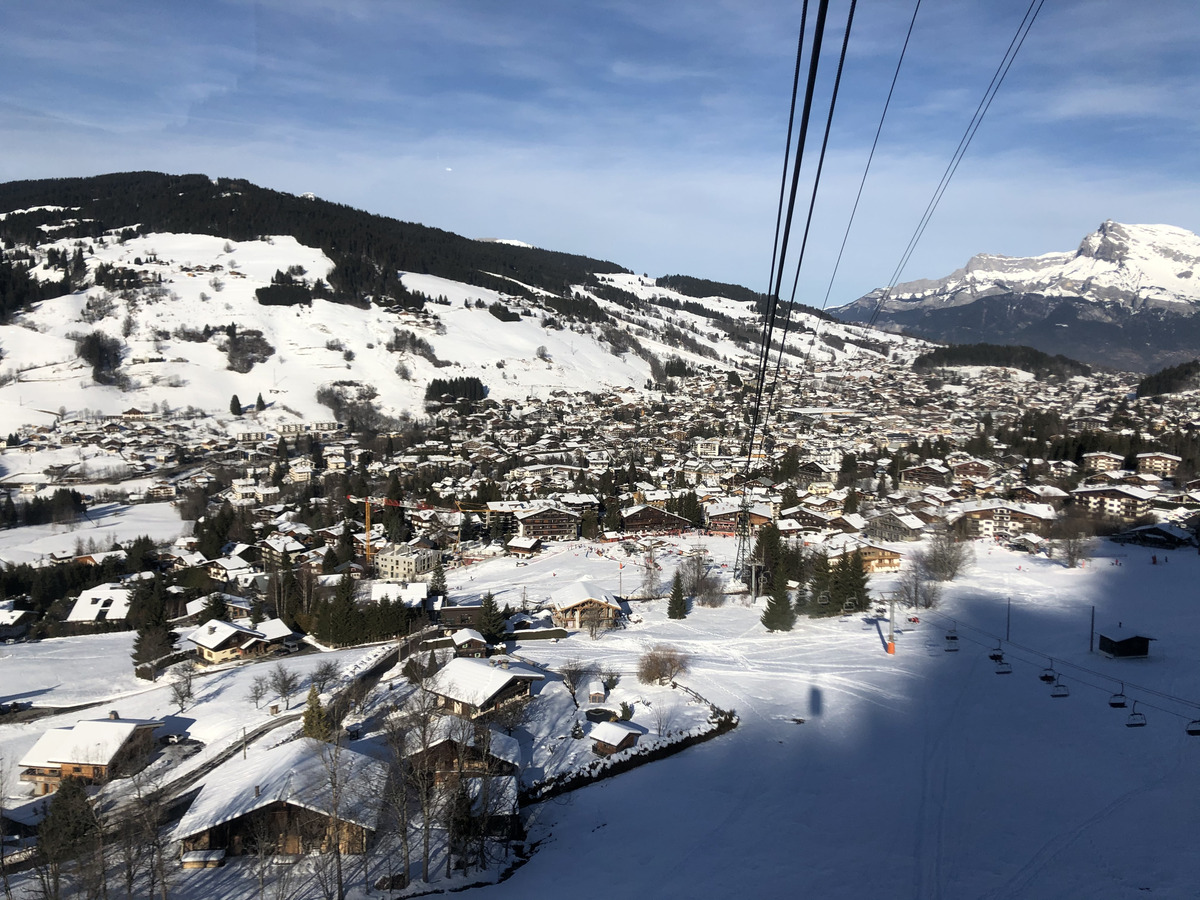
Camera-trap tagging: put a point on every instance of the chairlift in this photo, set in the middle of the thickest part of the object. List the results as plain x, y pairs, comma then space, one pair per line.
1003, 667
1193, 728
1136, 719
823, 598
848, 606
996, 655
1119, 700
951, 643
1048, 676
1060, 690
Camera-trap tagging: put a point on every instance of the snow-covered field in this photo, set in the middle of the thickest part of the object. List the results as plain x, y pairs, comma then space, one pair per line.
97, 669
922, 774
104, 525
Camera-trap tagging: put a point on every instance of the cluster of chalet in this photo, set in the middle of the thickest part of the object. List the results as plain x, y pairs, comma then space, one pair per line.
543, 449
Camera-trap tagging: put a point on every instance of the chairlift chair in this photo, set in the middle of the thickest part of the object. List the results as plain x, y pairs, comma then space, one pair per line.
996, 655
1049, 676
1119, 700
823, 598
1193, 728
1003, 667
951, 643
1060, 690
1136, 719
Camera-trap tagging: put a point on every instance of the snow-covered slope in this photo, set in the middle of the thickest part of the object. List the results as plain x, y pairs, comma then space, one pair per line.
196, 282
1143, 280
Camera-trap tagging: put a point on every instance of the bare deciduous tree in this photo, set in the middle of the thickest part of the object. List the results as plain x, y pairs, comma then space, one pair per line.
651, 576
258, 690
284, 682
1072, 535
182, 683
945, 558
323, 674
664, 718
916, 586
575, 672
662, 664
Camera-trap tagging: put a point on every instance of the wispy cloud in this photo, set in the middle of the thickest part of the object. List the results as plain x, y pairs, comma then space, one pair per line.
648, 133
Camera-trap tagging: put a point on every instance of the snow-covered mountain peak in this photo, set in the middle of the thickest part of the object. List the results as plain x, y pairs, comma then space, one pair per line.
1118, 273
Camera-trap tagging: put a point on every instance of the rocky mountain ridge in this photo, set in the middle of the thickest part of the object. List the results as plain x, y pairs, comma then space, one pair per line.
1127, 297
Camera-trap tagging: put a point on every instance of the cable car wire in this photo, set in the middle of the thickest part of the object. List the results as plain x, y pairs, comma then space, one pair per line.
989, 94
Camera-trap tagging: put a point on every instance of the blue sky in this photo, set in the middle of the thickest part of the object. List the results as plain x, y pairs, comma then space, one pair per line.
650, 134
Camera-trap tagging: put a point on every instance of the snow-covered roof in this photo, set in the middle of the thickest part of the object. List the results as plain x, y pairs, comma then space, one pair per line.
455, 728
579, 592
215, 632
94, 742
413, 593
613, 732
296, 773
466, 634
104, 601
476, 681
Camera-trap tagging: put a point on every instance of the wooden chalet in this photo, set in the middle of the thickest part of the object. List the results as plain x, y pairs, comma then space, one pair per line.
454, 746
475, 687
469, 642
652, 518
283, 796
524, 546
95, 751
583, 603
217, 641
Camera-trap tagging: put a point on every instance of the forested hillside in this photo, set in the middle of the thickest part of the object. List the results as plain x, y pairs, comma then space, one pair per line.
368, 250
1027, 359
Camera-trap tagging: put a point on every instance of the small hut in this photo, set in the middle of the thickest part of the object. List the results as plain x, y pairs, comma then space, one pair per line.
1118, 642
613, 737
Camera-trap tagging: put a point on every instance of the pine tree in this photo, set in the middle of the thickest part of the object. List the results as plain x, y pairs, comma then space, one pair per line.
850, 581
677, 605
259, 404
316, 720
612, 514
215, 608
437, 581
491, 621
779, 615
235, 405
820, 582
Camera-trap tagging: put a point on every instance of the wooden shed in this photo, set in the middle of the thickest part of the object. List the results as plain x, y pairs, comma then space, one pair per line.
1123, 643
613, 737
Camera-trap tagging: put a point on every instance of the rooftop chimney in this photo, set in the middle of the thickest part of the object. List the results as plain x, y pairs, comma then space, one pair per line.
112, 714
257, 790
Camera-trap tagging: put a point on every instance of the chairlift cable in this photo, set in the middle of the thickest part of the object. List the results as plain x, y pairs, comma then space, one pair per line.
1037, 657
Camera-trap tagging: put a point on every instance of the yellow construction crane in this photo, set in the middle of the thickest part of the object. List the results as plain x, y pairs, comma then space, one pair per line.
367, 503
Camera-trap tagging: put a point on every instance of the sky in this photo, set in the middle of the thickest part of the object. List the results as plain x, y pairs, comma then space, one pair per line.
649, 134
